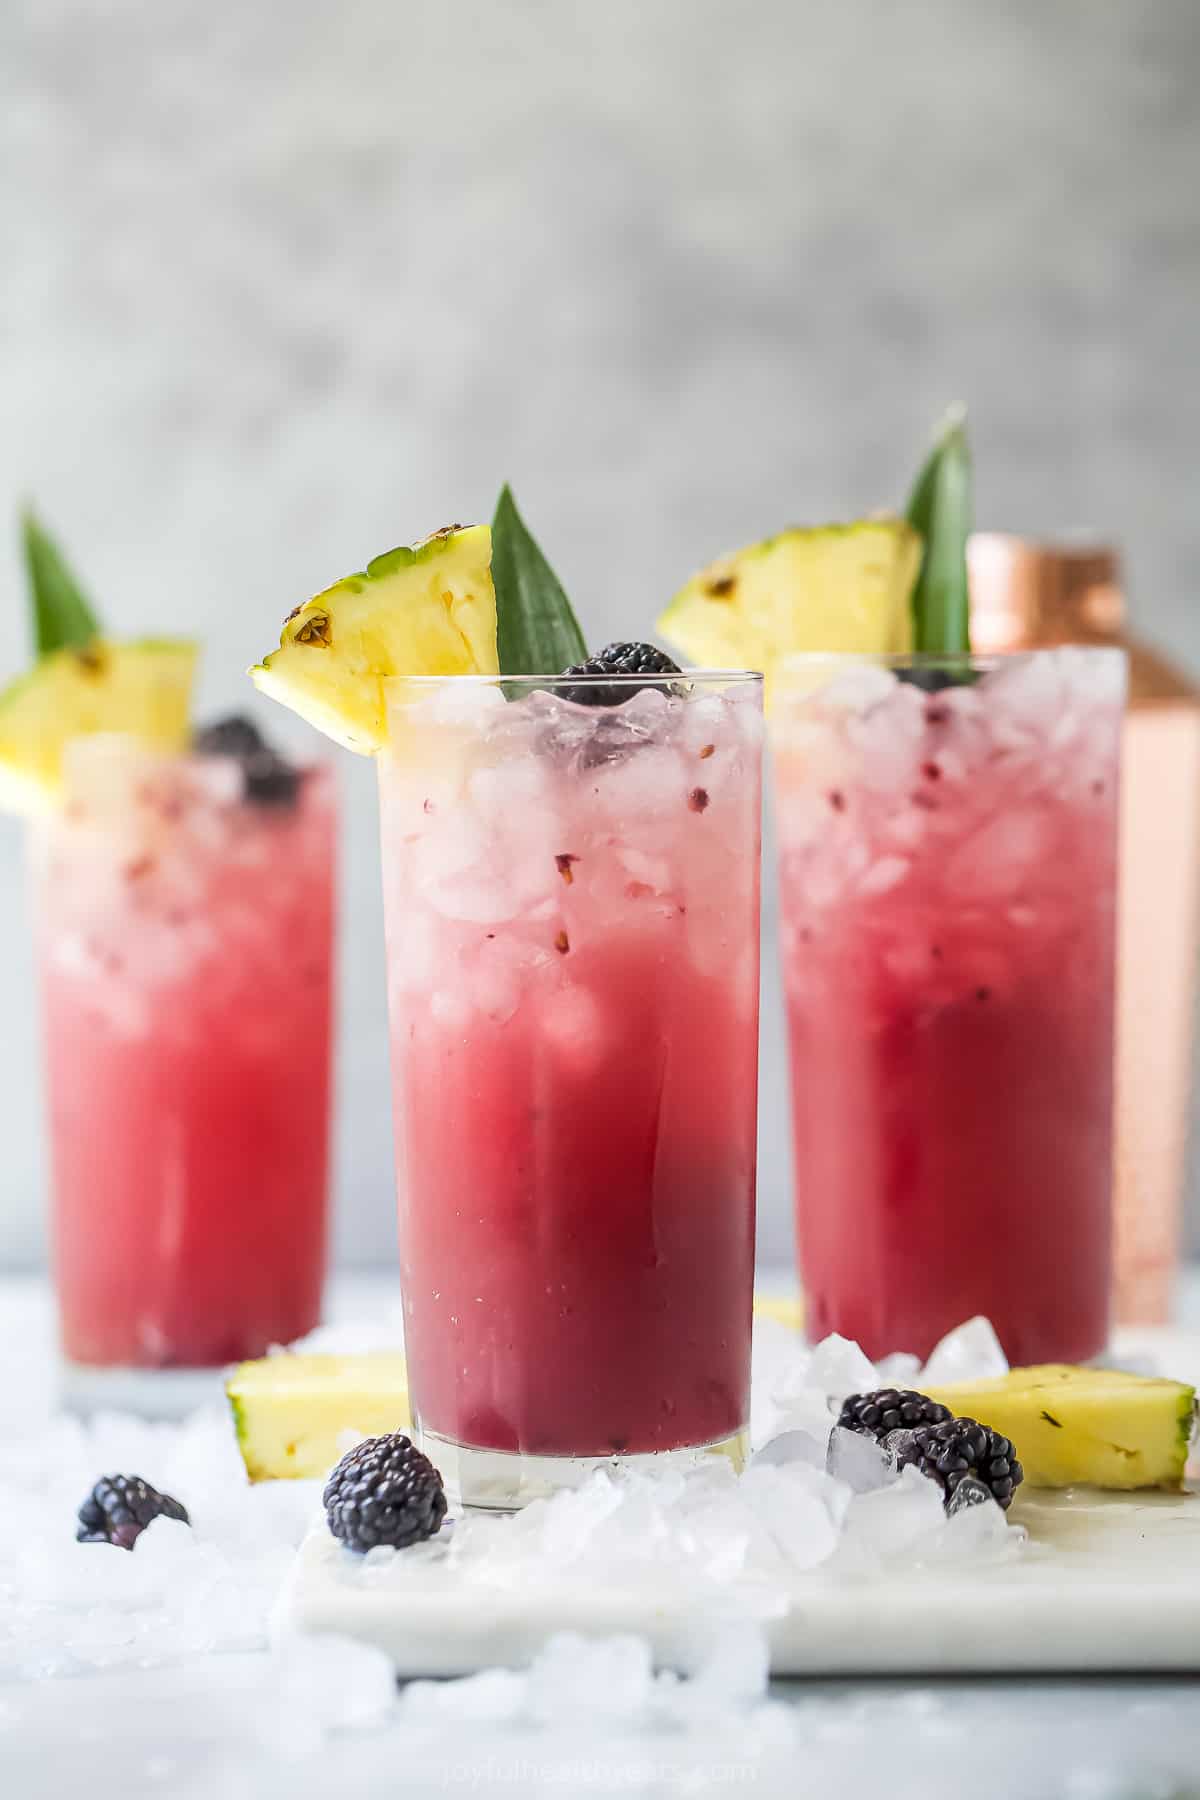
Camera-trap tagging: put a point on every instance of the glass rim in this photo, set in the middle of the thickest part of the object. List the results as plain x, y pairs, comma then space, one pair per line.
710, 677
941, 659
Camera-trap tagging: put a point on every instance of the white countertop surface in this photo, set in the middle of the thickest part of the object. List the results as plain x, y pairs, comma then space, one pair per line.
225, 1726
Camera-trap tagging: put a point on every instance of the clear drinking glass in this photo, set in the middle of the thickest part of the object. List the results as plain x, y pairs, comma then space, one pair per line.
947, 845
185, 939
572, 894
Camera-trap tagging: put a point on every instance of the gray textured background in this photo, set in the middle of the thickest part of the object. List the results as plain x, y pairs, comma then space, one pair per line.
286, 282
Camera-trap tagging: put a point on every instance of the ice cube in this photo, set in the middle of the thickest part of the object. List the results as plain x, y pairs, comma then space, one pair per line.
971, 1352
899, 1370
999, 858
1027, 692
1065, 730
575, 1678
500, 790
494, 988
478, 896
95, 1636
465, 705
168, 1550
792, 1446
976, 1530
732, 1669
968, 1493
885, 873
897, 1521
839, 1367
335, 1683
856, 689
86, 1576
450, 1009
714, 1536
454, 849
785, 1396
806, 1410
896, 1444
886, 743
858, 1460
801, 1509
1093, 680
653, 872
648, 713
708, 716
573, 1022
564, 1524
906, 826
494, 1697
651, 784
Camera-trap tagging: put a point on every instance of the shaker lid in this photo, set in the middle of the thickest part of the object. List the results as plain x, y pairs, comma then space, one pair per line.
1026, 591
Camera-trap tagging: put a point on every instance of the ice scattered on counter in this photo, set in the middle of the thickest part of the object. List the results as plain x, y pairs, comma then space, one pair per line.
327, 1684
706, 1540
798, 1388
323, 1715
66, 1608
576, 1681
814, 1499
226, 1728
904, 1521
793, 1446
838, 1367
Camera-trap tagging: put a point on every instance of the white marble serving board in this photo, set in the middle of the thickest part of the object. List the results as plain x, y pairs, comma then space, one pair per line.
1106, 1583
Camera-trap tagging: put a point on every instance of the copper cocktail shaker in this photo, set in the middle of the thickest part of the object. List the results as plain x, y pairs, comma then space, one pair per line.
1026, 595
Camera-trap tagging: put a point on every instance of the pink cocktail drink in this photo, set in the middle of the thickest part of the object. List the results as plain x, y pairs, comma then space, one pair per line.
948, 882
572, 915
185, 936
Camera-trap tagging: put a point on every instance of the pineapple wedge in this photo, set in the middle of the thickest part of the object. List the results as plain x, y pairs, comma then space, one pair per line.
1072, 1426
424, 609
140, 689
823, 587
291, 1411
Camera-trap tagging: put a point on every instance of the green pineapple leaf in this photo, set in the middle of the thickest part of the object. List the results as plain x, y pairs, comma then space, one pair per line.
940, 508
537, 632
61, 613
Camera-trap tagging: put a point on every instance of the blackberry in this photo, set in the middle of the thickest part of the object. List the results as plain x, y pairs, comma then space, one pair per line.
384, 1491
235, 735
890, 1409
120, 1507
621, 660
269, 779
962, 1450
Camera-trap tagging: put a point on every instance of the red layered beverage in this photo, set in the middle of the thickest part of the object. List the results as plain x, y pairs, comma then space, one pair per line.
947, 842
572, 917
185, 926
